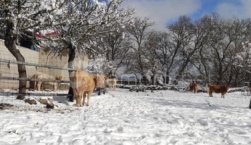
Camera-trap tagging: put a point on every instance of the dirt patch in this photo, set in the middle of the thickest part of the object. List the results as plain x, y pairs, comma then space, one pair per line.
5, 106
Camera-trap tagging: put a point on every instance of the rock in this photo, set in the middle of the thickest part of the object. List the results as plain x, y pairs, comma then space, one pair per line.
5, 105
50, 106
31, 101
50, 99
45, 100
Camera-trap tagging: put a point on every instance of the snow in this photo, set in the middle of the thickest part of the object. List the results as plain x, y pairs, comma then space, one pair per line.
130, 118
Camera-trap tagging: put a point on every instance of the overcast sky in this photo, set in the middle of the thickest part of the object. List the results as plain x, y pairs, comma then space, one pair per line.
164, 12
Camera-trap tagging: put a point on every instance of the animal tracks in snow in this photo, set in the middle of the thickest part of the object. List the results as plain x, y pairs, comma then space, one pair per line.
124, 117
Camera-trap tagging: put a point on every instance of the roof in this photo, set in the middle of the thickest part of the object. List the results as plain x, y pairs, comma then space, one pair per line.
54, 33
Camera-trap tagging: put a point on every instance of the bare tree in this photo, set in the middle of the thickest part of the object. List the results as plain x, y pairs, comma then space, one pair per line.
200, 60
181, 36
157, 54
222, 47
115, 47
138, 31
236, 32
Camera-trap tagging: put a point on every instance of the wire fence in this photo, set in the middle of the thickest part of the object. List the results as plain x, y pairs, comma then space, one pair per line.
35, 61
10, 80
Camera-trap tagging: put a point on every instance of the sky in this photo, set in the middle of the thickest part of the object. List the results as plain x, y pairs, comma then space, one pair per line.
164, 12
129, 118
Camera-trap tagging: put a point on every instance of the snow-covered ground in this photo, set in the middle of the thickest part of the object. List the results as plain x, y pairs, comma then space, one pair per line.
130, 118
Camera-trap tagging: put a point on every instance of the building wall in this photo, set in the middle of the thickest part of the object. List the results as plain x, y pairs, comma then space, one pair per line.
42, 58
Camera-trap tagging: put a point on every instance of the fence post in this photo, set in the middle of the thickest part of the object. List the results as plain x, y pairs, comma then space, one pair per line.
250, 104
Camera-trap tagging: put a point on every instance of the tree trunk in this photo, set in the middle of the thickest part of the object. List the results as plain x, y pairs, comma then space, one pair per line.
70, 65
9, 42
166, 78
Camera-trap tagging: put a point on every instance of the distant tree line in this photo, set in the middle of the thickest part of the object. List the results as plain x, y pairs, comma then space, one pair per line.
210, 49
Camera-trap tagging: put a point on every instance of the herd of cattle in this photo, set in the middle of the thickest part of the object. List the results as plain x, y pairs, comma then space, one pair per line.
211, 89
84, 84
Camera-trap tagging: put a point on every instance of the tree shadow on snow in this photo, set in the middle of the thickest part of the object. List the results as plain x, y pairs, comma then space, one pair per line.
61, 99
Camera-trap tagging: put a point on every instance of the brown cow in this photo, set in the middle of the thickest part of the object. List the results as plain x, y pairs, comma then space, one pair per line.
112, 83
193, 87
33, 83
37, 85
100, 83
83, 84
218, 89
100, 80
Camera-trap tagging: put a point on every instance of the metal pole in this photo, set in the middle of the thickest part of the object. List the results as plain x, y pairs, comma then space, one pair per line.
33, 64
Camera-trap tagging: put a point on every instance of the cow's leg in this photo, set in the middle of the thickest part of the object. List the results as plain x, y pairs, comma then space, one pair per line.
84, 96
88, 97
114, 85
39, 85
104, 90
31, 85
78, 100
35, 85
99, 90
55, 86
42, 86
210, 93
